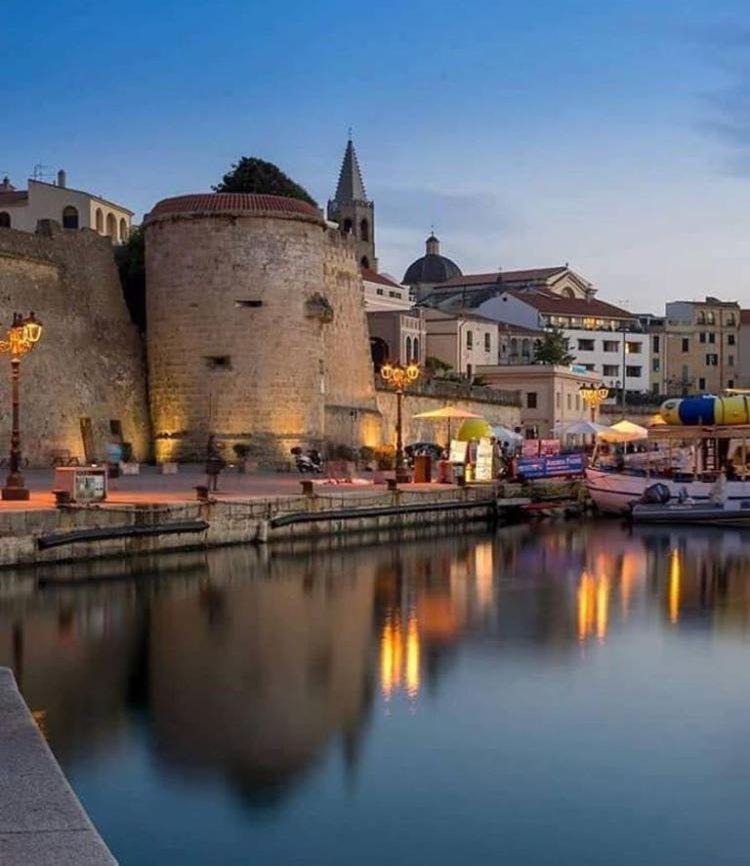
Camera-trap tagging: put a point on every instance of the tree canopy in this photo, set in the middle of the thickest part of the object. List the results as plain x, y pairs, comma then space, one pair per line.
130, 258
255, 175
553, 348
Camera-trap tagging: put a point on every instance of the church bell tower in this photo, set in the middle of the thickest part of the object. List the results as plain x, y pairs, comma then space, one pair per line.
352, 210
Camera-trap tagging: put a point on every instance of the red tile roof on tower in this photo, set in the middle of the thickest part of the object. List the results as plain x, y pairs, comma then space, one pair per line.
374, 277
234, 202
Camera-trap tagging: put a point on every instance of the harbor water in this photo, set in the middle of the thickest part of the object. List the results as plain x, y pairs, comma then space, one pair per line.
553, 694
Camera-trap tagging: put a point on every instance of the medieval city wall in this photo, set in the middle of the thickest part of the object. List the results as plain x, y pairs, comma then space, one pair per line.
255, 325
89, 362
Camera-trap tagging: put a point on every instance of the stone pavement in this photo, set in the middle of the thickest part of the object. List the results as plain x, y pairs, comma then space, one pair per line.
41, 821
153, 488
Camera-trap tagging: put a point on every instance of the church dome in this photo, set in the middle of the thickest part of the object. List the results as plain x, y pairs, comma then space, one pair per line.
431, 267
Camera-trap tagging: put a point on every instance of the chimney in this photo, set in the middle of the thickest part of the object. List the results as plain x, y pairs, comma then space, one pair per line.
61, 178
6, 185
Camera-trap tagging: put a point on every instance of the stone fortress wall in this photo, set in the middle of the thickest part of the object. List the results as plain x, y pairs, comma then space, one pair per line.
89, 362
256, 325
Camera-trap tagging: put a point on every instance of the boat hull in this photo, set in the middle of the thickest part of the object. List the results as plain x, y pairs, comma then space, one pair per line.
732, 513
615, 492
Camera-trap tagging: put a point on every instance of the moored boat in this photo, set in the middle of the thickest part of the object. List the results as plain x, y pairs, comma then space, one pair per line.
734, 512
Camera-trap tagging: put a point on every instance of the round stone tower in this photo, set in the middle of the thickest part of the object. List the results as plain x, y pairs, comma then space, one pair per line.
236, 320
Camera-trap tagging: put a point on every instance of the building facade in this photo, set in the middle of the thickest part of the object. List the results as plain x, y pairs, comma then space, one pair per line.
383, 293
702, 346
398, 336
71, 208
462, 340
550, 395
352, 211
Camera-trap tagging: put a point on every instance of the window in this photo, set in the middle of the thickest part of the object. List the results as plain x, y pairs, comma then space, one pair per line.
4, 220
347, 226
558, 397
394, 294
526, 348
70, 217
590, 367
730, 319
513, 346
712, 337
730, 337
415, 350
730, 360
585, 345
578, 402
655, 344
685, 344
408, 349
469, 339
219, 362
711, 317
379, 291
634, 348
730, 383
570, 401
99, 221
251, 303
364, 262
611, 346
611, 370
633, 372
531, 399
702, 337
487, 342
655, 365
701, 317
712, 360
701, 384
364, 231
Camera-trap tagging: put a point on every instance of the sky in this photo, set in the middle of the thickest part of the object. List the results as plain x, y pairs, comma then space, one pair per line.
612, 135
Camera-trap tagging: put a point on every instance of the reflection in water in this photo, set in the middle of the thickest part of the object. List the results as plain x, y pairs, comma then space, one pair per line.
247, 669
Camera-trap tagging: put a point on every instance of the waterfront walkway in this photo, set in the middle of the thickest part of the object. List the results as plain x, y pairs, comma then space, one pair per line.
41, 821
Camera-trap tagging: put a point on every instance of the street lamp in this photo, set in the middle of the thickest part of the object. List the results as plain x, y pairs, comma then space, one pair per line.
22, 336
399, 377
593, 396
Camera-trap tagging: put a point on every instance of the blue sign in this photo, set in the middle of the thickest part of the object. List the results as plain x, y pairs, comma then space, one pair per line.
547, 467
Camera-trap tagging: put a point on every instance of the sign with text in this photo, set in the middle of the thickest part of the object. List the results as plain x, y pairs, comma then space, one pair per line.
458, 451
485, 470
548, 467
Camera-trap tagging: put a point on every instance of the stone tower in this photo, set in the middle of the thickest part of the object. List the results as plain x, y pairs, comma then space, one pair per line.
352, 210
256, 328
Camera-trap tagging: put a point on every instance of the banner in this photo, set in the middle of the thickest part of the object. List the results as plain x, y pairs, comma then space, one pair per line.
548, 467
485, 470
530, 448
458, 451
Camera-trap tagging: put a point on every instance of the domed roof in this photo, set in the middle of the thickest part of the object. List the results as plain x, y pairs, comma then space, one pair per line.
235, 203
431, 267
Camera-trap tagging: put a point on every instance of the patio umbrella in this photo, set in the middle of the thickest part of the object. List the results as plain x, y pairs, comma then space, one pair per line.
623, 431
505, 434
584, 428
447, 413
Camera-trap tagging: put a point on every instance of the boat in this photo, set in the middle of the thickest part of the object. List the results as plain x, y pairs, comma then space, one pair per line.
687, 459
734, 512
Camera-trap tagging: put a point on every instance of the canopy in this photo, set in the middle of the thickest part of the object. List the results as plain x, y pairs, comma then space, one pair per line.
474, 428
584, 428
623, 431
446, 412
505, 434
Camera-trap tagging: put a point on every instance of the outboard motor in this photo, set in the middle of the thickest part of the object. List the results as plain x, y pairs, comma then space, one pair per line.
656, 494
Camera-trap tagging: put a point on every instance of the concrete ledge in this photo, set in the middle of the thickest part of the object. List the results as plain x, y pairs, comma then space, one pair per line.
42, 822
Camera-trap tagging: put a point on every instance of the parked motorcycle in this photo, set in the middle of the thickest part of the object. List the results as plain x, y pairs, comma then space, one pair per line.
309, 462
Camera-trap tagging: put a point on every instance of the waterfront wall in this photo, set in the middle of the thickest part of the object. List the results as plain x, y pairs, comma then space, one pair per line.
40, 536
89, 362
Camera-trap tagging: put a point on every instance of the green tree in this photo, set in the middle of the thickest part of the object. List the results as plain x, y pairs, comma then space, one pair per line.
131, 264
553, 348
255, 175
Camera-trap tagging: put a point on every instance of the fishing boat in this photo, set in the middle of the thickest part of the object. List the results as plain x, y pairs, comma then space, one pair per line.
685, 454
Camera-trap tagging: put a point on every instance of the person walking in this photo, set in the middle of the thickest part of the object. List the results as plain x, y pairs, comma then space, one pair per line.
214, 463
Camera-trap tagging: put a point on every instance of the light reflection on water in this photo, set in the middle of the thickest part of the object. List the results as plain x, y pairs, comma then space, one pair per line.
521, 695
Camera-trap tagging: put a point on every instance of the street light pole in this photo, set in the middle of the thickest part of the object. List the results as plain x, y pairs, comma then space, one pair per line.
400, 377
23, 335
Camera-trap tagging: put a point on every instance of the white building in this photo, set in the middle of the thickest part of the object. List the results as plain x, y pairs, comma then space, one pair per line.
383, 293
72, 208
465, 341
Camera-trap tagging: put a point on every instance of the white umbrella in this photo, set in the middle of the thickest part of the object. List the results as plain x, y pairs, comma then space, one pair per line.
623, 431
584, 428
505, 434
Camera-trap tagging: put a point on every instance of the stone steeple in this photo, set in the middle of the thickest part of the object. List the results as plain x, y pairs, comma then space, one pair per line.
352, 210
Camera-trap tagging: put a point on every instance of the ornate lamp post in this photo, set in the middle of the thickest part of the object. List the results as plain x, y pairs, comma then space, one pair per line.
400, 377
593, 396
23, 335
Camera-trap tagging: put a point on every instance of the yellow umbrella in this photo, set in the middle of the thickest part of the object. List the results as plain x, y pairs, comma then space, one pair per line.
474, 428
623, 431
446, 414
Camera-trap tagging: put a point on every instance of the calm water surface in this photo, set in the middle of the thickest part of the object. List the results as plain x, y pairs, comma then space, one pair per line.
555, 695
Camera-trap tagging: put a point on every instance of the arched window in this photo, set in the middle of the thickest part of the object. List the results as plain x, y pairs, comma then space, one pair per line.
567, 292
112, 226
378, 351
4, 220
123, 231
408, 349
513, 346
365, 262
70, 217
99, 221
347, 229
415, 350
364, 231
525, 348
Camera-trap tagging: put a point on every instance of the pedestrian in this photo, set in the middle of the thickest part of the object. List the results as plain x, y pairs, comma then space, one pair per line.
214, 463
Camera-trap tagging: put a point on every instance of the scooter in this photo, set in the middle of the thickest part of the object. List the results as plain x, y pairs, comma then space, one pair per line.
310, 462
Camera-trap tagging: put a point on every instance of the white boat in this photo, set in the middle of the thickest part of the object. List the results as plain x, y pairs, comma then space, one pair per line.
733, 512
615, 490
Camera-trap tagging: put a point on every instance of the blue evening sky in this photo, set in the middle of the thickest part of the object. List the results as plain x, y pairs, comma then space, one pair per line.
613, 134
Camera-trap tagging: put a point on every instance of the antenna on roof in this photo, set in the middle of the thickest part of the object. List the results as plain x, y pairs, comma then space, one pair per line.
41, 171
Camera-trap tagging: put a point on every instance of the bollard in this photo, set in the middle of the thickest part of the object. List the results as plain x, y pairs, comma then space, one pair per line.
392, 485
307, 488
201, 492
